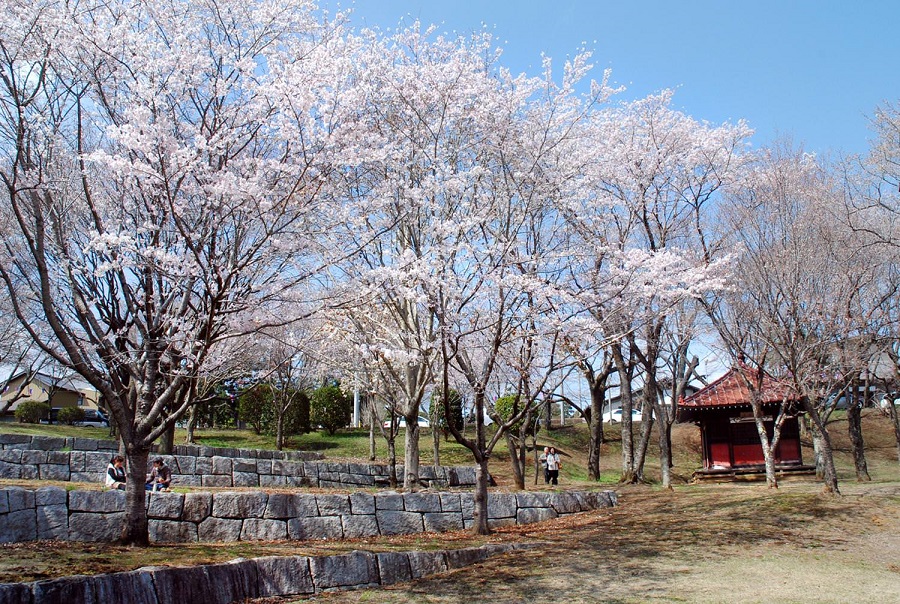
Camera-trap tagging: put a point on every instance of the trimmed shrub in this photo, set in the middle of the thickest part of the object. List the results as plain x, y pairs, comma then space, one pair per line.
70, 415
32, 412
330, 408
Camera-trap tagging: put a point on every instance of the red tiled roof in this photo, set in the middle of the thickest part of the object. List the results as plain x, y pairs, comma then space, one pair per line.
731, 390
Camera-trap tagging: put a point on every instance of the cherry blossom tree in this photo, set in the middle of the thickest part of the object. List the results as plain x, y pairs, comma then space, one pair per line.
165, 164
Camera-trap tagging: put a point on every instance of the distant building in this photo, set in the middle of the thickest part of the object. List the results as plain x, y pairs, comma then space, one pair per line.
57, 391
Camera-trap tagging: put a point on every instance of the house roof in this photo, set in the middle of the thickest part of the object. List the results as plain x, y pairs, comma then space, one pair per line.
731, 390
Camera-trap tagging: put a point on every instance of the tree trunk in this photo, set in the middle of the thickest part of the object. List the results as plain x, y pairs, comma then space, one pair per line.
516, 462
640, 456
895, 419
628, 473
411, 454
857, 446
135, 528
193, 417
436, 445
279, 432
826, 453
548, 411
392, 462
665, 447
167, 441
372, 455
594, 416
480, 511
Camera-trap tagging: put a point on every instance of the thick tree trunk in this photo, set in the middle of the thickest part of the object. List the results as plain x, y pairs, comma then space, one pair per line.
640, 456
193, 417
411, 454
515, 462
826, 453
857, 446
595, 423
665, 448
480, 512
135, 528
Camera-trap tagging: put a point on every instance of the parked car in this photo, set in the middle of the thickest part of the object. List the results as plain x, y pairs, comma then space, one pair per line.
94, 418
423, 422
615, 416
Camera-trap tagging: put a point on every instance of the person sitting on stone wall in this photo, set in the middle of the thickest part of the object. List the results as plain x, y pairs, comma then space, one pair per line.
115, 473
160, 476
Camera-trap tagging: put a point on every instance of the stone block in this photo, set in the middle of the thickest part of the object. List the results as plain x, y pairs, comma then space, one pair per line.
245, 479
467, 504
58, 457
357, 480
187, 480
216, 480
502, 505
263, 466
219, 529
391, 522
180, 584
76, 588
393, 567
14, 439
533, 500
357, 569
165, 506
13, 456
244, 465
172, 531
20, 499
97, 501
422, 502
183, 464
95, 461
197, 507
16, 593
311, 469
333, 505
280, 505
423, 564
48, 443
283, 576
239, 505
84, 444
263, 529
358, 468
18, 526
55, 472
304, 529
12, 471
52, 521
443, 522
459, 558
134, 587
362, 503
450, 502
389, 500
107, 445
87, 526
305, 505
4, 502
335, 467
221, 465
565, 503
273, 481
288, 468
530, 515
357, 526
76, 461
29, 472
203, 465
34, 457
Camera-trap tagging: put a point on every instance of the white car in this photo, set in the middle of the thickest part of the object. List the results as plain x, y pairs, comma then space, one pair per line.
615, 416
401, 422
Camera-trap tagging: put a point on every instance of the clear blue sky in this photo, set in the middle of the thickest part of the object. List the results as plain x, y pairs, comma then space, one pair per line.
813, 71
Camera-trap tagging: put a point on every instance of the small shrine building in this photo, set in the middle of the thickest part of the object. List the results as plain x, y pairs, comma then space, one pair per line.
729, 437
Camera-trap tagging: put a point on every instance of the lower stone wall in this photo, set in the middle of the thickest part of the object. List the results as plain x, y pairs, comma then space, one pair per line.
242, 580
54, 513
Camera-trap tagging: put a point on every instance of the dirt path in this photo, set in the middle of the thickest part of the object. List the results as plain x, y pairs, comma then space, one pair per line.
712, 543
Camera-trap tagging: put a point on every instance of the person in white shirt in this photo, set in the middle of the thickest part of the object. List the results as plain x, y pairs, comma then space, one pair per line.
115, 473
553, 466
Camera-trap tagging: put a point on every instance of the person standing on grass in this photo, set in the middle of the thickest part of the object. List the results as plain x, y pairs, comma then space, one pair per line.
553, 466
115, 473
543, 460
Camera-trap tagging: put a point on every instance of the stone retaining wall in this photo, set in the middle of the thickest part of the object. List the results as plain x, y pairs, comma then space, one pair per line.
85, 460
54, 513
240, 580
